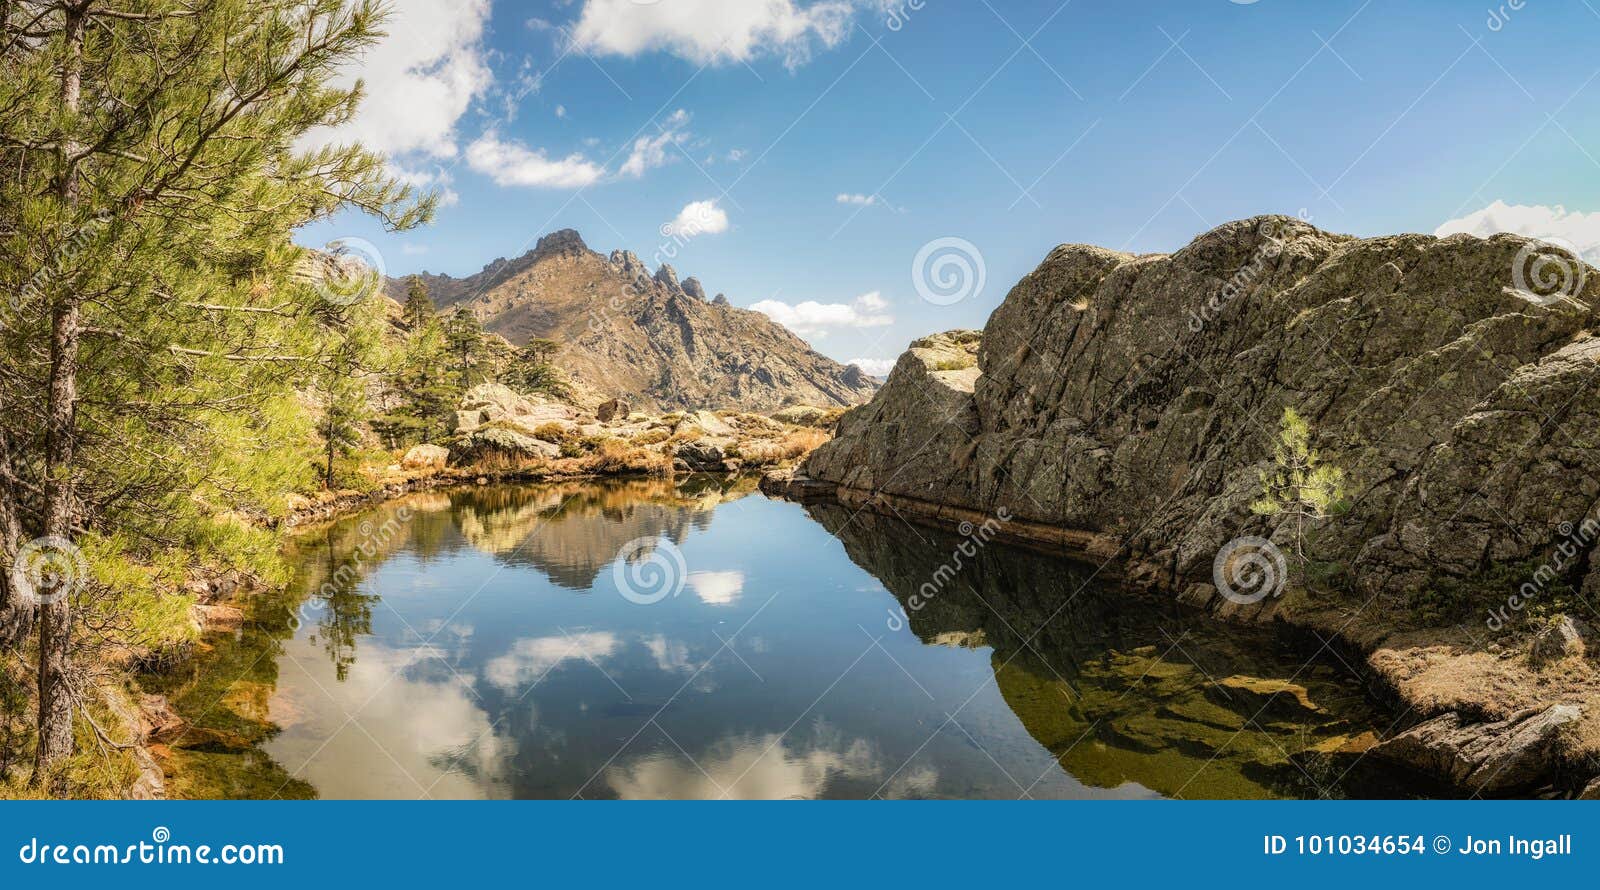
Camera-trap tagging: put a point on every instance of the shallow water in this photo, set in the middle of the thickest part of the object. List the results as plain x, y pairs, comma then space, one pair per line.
478, 643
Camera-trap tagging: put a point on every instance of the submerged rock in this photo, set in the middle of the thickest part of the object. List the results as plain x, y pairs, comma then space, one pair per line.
1495, 757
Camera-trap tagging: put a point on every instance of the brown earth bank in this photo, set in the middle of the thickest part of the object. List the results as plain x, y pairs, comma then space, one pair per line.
1126, 409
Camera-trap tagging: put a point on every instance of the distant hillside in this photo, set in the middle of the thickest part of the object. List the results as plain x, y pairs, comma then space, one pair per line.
648, 338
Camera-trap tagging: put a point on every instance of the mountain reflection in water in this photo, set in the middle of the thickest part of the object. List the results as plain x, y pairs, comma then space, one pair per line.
479, 647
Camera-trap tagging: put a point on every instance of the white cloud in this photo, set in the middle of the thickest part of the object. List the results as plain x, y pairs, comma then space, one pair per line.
434, 730
651, 151
713, 32
512, 163
1581, 230
420, 79
561, 111
697, 218
413, 249
770, 767
877, 367
670, 655
859, 200
814, 319
736, 155
531, 659
437, 179
716, 588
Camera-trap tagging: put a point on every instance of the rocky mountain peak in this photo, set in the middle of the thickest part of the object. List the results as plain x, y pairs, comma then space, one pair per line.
628, 265
644, 337
563, 241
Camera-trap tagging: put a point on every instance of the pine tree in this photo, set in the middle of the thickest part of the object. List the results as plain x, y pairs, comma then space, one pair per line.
425, 397
464, 333
343, 379
418, 309
531, 370
158, 332
1299, 485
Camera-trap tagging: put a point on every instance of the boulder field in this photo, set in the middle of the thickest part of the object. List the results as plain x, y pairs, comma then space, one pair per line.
1127, 408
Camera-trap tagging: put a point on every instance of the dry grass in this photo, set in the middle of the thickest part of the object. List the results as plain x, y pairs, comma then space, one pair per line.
652, 437
552, 432
795, 445
616, 456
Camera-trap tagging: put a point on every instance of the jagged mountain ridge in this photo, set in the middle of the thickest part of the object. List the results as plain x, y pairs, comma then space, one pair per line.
648, 338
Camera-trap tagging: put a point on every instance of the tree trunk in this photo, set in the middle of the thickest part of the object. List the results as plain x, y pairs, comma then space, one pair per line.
16, 612
55, 613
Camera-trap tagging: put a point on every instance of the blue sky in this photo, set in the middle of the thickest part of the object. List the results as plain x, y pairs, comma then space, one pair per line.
825, 144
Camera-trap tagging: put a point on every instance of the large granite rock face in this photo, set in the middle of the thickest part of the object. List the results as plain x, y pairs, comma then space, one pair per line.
1139, 396
917, 437
647, 337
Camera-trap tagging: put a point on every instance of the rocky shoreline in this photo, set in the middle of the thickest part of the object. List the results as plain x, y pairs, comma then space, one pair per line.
1123, 409
1482, 756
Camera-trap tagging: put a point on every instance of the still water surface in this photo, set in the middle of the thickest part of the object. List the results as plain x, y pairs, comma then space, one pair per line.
480, 646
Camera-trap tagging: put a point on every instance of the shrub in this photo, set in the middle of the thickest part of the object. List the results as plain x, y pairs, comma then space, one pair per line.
552, 432
652, 437
791, 447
